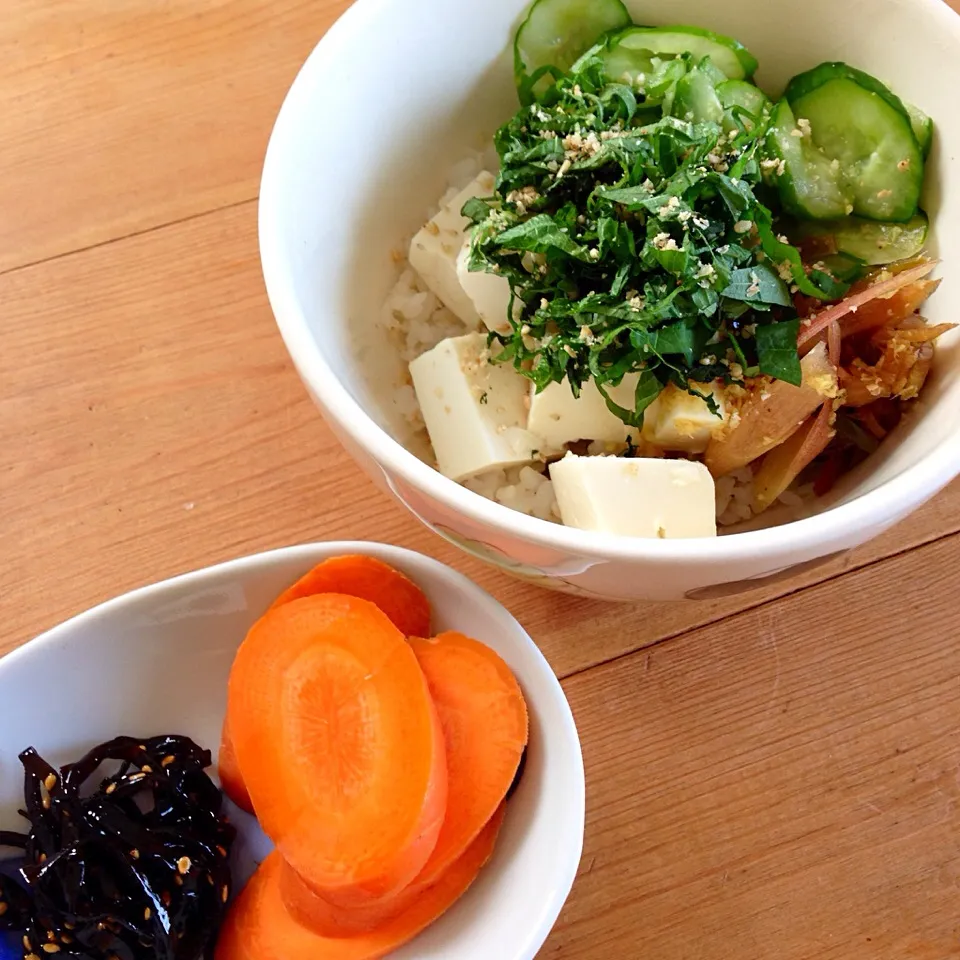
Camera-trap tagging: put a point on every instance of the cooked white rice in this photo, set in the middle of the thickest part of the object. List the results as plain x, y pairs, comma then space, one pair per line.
417, 321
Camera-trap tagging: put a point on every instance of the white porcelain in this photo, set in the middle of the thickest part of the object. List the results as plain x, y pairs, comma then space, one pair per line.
396, 93
156, 661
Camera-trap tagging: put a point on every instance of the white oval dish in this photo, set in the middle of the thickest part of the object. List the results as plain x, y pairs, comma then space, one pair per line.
400, 90
156, 661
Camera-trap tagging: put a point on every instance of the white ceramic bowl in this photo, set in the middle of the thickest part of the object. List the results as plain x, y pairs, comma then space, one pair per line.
156, 661
396, 93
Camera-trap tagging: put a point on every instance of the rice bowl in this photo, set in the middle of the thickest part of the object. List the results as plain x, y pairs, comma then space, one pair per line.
328, 261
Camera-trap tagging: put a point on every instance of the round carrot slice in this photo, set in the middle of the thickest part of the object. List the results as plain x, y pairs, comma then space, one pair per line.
485, 728
259, 926
357, 576
340, 745
228, 767
361, 576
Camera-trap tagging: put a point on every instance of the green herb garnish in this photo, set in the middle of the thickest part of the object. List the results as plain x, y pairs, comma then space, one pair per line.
637, 241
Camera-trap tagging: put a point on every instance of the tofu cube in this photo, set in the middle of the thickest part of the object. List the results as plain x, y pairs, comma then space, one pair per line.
435, 249
489, 293
679, 421
475, 411
560, 418
635, 496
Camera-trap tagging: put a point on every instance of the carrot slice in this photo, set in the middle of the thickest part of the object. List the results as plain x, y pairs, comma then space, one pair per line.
319, 916
259, 927
357, 576
340, 745
231, 780
360, 576
485, 727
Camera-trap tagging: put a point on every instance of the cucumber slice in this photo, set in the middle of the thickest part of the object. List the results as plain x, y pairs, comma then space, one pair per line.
880, 161
737, 96
726, 54
622, 63
808, 182
804, 83
740, 93
922, 128
696, 98
556, 32
872, 242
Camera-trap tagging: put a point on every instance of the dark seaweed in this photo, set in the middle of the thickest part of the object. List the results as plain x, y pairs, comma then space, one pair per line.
136, 870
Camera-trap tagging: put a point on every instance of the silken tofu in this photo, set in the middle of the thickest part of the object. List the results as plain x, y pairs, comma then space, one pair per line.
635, 496
475, 411
488, 292
437, 245
559, 417
677, 420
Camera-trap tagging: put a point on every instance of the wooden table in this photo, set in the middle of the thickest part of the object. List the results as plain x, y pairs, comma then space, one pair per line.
769, 776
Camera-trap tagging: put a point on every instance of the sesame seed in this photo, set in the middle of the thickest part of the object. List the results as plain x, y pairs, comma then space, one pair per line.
46, 803
111, 787
27, 945
178, 880
183, 865
30, 956
147, 913
42, 858
146, 768
50, 948
224, 893
135, 853
221, 850
167, 760
50, 781
3, 908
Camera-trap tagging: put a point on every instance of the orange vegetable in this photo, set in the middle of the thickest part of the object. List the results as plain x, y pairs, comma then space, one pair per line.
852, 303
485, 727
771, 413
371, 579
259, 926
228, 767
782, 465
316, 914
357, 576
340, 745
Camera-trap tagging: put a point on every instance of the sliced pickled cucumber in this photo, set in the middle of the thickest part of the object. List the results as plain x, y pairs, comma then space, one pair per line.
740, 93
726, 54
696, 98
556, 32
808, 182
871, 241
922, 128
854, 120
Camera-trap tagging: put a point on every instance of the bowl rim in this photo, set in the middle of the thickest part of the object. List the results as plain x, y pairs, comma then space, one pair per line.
562, 880
878, 507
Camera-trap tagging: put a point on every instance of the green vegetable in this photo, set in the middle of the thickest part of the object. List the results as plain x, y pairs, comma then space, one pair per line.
922, 127
556, 32
777, 351
870, 241
727, 55
864, 132
634, 241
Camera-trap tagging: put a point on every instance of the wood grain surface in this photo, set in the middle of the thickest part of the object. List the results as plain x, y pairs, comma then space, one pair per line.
771, 775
